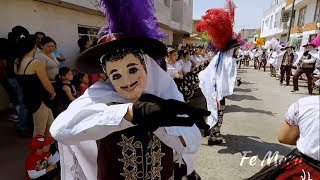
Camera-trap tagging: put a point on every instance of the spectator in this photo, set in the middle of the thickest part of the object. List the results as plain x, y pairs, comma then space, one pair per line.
84, 43
40, 164
59, 56
37, 89
39, 37
15, 92
48, 59
81, 82
67, 90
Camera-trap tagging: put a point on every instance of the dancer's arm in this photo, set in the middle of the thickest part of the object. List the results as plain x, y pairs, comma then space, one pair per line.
89, 122
289, 132
180, 139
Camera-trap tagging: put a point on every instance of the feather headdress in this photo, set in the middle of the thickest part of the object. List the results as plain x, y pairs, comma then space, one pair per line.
131, 18
131, 25
218, 23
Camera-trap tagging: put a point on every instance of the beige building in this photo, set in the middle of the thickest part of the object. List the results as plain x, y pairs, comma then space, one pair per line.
66, 20
305, 22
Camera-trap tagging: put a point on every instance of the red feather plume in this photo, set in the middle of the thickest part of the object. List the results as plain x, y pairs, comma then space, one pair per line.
230, 6
219, 24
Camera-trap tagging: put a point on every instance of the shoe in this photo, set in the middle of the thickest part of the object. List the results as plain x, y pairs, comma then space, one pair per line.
239, 82
206, 133
14, 118
193, 176
310, 92
294, 90
214, 142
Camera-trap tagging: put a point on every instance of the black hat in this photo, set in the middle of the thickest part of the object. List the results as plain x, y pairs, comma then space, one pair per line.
89, 60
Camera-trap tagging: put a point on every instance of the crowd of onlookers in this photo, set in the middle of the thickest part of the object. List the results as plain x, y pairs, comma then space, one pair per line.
38, 83
39, 86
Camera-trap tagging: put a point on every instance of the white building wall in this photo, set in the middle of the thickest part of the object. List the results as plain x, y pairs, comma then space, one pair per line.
309, 18
268, 29
59, 23
311, 9
169, 38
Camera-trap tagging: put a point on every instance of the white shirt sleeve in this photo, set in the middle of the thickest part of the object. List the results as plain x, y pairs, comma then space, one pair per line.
170, 137
312, 60
33, 174
91, 122
292, 114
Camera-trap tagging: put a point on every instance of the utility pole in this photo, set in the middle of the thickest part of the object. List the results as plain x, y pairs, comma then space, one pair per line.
290, 23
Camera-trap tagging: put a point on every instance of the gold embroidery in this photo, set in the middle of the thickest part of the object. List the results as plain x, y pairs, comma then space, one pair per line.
136, 167
156, 157
128, 160
126, 143
129, 175
156, 172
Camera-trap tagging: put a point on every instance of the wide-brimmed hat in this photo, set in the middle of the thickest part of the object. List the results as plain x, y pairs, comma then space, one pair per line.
234, 43
290, 47
89, 60
309, 44
131, 25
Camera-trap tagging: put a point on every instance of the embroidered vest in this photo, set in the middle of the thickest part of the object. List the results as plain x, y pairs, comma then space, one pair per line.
133, 153
307, 65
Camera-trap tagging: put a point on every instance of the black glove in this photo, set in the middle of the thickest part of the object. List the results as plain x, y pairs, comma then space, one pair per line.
152, 116
177, 107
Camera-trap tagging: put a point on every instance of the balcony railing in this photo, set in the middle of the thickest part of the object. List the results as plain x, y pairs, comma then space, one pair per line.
310, 26
296, 29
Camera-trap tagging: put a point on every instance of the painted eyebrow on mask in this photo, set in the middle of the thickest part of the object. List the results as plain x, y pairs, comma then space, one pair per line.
131, 64
113, 71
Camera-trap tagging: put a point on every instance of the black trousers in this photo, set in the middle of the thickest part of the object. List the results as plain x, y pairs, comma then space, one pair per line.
285, 70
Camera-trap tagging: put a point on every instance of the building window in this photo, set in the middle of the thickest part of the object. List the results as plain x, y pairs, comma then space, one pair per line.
277, 20
267, 23
312, 37
302, 15
92, 32
166, 3
317, 13
271, 21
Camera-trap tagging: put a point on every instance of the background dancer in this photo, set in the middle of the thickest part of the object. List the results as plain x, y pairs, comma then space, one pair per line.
218, 79
287, 61
306, 65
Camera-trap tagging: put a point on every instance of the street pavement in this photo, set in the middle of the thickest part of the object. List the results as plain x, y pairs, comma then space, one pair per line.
251, 122
252, 119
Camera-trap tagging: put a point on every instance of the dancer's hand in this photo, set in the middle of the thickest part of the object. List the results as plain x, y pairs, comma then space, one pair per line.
152, 115
175, 107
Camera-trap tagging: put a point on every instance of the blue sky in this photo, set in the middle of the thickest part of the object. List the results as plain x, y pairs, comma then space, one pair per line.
249, 13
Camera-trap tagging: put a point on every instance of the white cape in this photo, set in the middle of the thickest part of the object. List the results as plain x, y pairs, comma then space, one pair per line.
217, 81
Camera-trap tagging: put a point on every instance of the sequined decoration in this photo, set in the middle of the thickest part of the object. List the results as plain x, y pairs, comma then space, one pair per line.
134, 163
